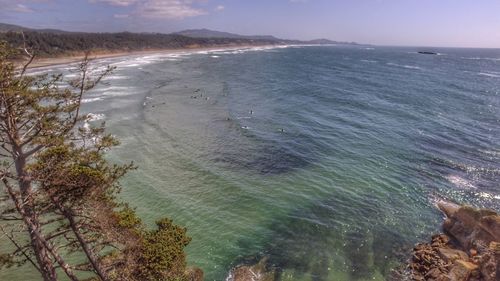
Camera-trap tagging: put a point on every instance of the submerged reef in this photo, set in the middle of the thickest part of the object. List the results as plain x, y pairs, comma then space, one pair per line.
467, 250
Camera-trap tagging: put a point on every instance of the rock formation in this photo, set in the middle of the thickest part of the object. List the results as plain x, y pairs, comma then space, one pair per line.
257, 272
469, 249
194, 274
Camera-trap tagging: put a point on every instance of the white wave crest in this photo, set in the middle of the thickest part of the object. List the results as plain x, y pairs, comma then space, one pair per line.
460, 182
114, 91
488, 195
481, 58
404, 66
115, 77
89, 100
494, 153
489, 74
91, 117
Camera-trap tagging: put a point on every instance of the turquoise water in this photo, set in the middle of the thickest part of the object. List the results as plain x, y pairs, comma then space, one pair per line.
327, 160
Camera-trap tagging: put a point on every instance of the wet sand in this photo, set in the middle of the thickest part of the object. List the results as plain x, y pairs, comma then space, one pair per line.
45, 62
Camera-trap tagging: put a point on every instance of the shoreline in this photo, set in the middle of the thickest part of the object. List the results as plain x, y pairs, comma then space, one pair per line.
468, 249
69, 59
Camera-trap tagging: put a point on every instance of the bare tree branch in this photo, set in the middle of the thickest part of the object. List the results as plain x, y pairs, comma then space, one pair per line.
30, 55
19, 248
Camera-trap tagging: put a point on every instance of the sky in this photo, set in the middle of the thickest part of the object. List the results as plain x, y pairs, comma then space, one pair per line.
439, 23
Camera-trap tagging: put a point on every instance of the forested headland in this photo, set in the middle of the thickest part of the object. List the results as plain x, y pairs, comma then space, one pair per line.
54, 43
49, 44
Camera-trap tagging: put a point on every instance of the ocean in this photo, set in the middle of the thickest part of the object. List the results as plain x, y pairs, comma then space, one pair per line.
326, 160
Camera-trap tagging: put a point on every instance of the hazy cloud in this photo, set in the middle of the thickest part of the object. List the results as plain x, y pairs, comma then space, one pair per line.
168, 9
120, 16
12, 6
122, 3
157, 9
219, 8
22, 8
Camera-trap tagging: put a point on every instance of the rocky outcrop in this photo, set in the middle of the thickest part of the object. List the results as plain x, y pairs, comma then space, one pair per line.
469, 249
427, 53
256, 272
194, 274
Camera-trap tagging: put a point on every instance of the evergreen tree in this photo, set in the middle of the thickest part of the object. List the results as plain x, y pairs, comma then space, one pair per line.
59, 192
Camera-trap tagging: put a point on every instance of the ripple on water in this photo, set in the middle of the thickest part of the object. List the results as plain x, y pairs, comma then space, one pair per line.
346, 151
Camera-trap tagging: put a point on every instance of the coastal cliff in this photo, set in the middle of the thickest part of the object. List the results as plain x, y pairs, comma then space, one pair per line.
469, 248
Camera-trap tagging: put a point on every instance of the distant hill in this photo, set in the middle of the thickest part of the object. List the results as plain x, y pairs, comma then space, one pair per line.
322, 41
207, 33
5, 27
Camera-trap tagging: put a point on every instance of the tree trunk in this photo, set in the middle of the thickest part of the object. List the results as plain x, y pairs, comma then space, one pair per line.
84, 244
42, 256
31, 220
42, 248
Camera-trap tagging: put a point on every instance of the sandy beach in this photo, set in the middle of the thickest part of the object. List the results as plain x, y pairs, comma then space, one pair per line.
52, 61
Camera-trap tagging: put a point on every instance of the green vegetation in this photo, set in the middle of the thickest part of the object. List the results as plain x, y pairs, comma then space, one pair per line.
53, 44
58, 205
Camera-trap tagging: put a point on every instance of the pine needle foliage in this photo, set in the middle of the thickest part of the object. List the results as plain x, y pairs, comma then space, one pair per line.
59, 207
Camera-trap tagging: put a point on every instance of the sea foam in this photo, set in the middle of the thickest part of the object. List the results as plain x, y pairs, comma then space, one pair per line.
489, 74
404, 66
89, 100
460, 182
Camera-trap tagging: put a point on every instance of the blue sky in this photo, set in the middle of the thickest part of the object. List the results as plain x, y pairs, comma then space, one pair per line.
453, 23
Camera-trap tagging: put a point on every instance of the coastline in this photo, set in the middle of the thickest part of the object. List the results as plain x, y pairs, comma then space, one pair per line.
63, 60
468, 249
196, 102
